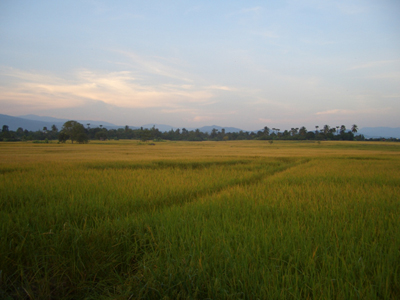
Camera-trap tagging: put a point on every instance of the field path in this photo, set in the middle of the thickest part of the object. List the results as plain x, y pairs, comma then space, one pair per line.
252, 180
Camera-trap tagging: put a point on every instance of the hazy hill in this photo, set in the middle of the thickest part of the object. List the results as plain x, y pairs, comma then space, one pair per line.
62, 121
219, 128
34, 123
161, 127
377, 132
31, 125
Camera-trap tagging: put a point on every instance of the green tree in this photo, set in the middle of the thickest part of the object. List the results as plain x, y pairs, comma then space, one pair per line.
20, 132
75, 131
101, 135
82, 138
145, 135
354, 128
5, 132
326, 129
63, 137
303, 131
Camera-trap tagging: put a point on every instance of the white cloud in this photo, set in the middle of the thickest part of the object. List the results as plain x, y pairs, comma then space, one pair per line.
363, 111
386, 75
374, 64
121, 89
255, 9
263, 121
220, 87
155, 66
335, 112
202, 118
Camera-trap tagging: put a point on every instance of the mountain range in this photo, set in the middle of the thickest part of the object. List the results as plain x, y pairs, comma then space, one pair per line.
34, 123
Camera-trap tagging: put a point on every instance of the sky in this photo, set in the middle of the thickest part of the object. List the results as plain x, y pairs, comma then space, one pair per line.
245, 64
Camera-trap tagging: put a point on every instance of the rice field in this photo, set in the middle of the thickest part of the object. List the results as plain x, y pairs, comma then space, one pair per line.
200, 220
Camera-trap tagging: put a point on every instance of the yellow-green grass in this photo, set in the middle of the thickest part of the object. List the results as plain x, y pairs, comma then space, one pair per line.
197, 220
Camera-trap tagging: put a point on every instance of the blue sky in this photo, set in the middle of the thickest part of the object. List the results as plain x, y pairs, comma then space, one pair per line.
246, 64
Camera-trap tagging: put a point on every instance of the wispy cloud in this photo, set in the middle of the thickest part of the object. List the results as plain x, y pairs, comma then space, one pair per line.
335, 112
221, 87
386, 75
178, 110
264, 121
154, 66
255, 9
202, 118
247, 12
343, 6
120, 89
354, 112
270, 34
374, 64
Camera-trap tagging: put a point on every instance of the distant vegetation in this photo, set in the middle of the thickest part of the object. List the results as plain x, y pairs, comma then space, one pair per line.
184, 220
75, 131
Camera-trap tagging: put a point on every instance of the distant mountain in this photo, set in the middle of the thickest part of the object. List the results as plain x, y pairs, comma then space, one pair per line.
14, 123
161, 127
34, 123
204, 129
380, 132
62, 121
219, 128
42, 118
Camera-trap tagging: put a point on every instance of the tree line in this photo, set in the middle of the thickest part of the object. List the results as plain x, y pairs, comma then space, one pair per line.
77, 132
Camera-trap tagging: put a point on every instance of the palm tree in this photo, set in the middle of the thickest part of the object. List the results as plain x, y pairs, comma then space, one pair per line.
326, 129
354, 128
342, 129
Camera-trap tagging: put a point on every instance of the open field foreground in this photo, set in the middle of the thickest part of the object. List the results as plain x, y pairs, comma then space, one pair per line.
200, 220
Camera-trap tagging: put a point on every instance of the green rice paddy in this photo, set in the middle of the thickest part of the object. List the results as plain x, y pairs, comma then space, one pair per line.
200, 220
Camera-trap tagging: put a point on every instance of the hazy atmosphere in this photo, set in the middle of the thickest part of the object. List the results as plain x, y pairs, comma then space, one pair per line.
247, 64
